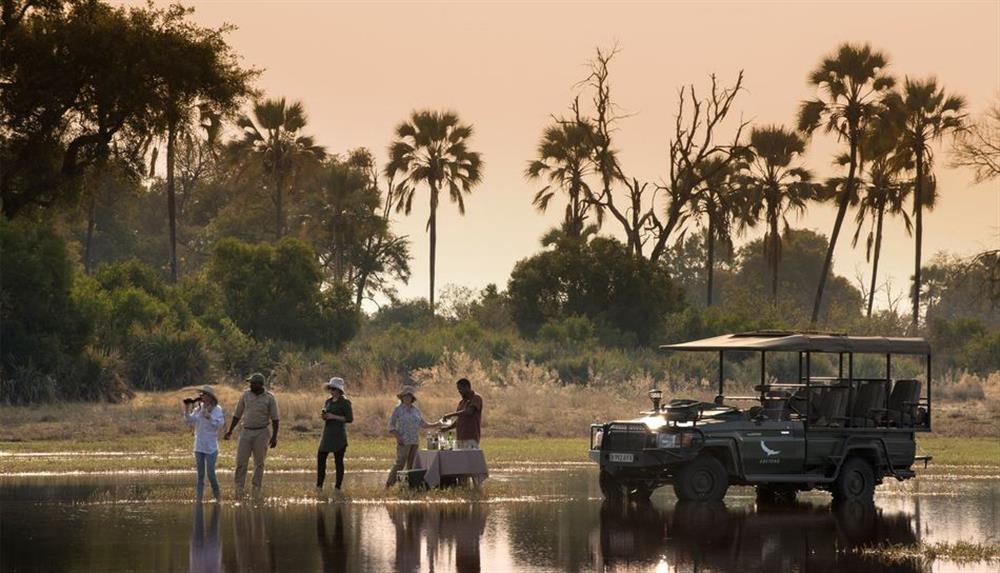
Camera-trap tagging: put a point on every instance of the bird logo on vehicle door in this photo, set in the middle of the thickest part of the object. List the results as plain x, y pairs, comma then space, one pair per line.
768, 451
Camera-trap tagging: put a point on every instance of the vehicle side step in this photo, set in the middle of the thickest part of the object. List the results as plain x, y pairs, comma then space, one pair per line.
924, 458
799, 478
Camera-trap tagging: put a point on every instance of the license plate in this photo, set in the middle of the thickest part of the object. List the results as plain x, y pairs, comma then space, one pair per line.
627, 458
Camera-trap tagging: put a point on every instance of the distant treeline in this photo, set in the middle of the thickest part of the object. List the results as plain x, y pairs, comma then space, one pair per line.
163, 221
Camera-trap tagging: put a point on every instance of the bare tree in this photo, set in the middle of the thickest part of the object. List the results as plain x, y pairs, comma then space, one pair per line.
978, 146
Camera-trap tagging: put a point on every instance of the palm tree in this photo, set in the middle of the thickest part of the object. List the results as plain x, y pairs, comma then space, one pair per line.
853, 82
885, 193
273, 136
431, 149
773, 187
565, 158
718, 202
922, 114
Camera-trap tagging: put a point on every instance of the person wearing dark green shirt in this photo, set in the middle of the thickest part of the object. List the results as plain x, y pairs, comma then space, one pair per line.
337, 413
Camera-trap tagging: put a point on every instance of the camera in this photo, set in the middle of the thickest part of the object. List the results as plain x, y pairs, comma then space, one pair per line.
192, 400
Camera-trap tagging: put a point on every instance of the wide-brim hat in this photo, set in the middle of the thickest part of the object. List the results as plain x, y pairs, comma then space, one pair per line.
335, 383
407, 390
206, 389
256, 377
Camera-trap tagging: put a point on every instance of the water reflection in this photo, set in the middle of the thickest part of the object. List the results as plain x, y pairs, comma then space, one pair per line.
446, 537
332, 546
253, 548
205, 552
796, 537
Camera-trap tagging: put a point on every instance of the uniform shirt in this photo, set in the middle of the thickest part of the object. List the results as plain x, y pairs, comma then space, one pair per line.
206, 430
406, 421
257, 411
467, 426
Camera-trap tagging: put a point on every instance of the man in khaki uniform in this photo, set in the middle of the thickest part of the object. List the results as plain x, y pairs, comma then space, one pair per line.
257, 408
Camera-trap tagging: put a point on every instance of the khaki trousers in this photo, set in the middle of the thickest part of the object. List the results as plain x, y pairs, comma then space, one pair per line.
253, 442
405, 453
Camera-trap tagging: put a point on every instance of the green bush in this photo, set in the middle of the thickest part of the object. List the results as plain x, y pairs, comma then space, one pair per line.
164, 358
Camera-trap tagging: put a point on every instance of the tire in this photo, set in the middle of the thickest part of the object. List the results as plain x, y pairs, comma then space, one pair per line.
611, 488
776, 495
704, 479
638, 493
856, 482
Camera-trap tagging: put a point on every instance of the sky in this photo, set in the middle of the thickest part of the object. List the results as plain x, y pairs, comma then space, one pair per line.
508, 67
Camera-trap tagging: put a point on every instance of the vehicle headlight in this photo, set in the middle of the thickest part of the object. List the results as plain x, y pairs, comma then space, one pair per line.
666, 440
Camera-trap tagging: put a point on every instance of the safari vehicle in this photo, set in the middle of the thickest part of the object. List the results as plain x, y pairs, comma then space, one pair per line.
839, 433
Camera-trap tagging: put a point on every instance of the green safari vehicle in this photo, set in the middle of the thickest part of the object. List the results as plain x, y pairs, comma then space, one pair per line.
840, 433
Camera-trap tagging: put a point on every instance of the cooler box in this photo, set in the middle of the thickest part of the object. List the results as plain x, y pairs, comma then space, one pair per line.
412, 478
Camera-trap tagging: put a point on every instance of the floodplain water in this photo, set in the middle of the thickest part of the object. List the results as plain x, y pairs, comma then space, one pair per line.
555, 521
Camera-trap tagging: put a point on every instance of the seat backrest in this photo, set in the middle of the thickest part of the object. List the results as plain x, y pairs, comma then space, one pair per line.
905, 394
869, 395
832, 404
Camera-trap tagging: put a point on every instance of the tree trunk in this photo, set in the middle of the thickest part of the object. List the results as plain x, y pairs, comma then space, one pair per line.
841, 211
775, 253
710, 266
88, 253
279, 215
918, 236
878, 249
172, 199
432, 226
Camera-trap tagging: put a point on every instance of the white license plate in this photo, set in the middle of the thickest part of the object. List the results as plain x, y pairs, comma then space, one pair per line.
627, 458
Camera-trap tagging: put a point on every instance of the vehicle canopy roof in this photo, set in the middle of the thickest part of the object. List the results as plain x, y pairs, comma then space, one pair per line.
785, 341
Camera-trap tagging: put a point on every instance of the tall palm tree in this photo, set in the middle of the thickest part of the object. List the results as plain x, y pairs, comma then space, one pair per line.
922, 114
774, 186
853, 82
273, 137
565, 158
884, 192
718, 202
431, 149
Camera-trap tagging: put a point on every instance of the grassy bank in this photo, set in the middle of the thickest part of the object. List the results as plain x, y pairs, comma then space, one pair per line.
297, 452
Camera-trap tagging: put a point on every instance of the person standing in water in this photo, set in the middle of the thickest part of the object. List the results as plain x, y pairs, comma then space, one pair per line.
205, 415
337, 414
259, 408
405, 425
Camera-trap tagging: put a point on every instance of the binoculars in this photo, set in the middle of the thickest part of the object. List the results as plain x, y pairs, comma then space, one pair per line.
192, 400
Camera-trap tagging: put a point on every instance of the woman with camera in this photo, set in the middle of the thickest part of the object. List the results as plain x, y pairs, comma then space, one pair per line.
337, 414
205, 415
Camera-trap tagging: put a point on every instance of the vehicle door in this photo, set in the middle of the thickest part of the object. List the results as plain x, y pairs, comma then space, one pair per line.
772, 447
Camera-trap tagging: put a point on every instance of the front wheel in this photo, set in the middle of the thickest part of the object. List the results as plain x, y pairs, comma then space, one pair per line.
856, 482
611, 488
704, 479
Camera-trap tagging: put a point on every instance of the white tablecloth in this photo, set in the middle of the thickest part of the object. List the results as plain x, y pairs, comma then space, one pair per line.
451, 463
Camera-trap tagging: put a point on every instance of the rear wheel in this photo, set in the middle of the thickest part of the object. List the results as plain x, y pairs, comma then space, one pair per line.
856, 482
704, 479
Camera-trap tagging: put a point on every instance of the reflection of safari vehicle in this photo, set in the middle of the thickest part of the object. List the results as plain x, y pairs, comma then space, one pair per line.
842, 433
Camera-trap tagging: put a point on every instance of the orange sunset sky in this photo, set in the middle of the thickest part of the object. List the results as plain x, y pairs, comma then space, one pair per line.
506, 67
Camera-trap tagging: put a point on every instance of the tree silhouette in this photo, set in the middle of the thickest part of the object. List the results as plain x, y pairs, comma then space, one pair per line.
853, 82
431, 149
272, 136
719, 202
922, 114
565, 159
774, 186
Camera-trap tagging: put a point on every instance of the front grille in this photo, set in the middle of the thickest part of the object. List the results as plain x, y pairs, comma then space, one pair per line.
627, 437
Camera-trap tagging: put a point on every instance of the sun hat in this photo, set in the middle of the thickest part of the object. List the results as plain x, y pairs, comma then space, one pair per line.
407, 390
256, 377
335, 383
206, 389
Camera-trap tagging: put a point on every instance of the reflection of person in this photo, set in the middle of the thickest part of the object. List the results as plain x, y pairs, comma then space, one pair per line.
405, 424
408, 522
257, 407
254, 550
332, 549
206, 417
469, 414
337, 413
205, 552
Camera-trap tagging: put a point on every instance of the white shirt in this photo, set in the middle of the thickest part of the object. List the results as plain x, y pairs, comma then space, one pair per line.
206, 429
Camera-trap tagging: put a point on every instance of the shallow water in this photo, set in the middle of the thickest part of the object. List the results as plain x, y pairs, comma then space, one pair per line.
147, 523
